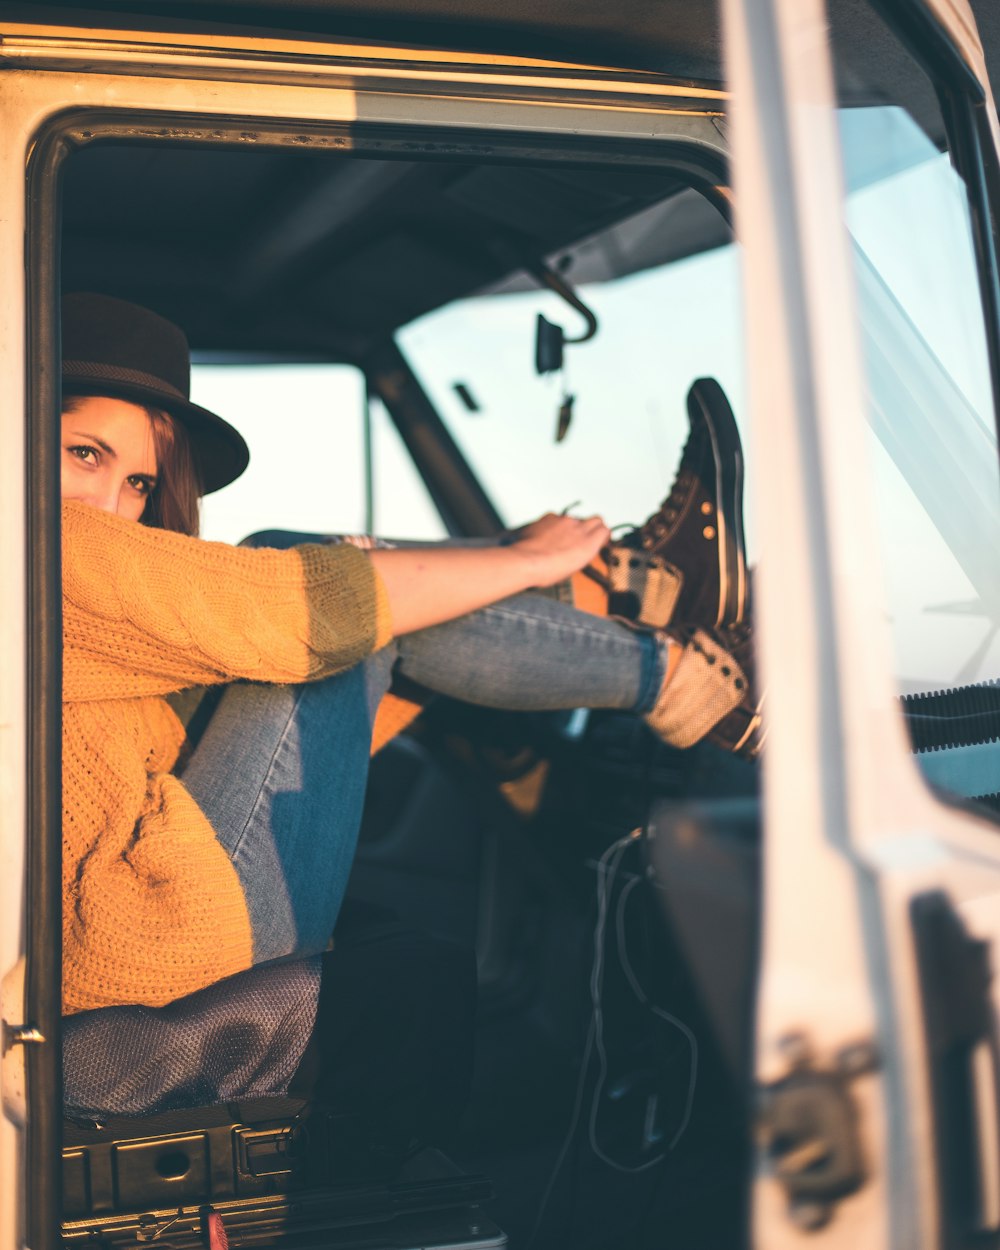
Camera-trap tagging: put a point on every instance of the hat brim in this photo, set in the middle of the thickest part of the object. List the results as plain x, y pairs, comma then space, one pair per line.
219, 450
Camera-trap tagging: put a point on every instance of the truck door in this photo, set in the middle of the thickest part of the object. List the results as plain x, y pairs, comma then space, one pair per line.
865, 162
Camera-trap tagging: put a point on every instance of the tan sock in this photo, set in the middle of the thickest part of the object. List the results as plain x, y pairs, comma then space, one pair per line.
650, 580
703, 684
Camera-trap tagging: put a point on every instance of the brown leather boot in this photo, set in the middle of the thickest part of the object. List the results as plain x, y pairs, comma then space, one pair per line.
688, 562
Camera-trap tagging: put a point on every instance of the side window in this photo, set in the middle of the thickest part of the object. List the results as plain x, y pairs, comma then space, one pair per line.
305, 426
665, 319
401, 506
933, 440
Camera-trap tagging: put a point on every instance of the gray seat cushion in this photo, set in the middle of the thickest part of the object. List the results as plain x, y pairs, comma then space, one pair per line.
240, 1038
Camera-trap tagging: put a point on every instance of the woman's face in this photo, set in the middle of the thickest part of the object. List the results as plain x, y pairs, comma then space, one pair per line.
108, 455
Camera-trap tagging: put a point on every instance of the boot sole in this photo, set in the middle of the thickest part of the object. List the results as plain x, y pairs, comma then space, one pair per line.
707, 402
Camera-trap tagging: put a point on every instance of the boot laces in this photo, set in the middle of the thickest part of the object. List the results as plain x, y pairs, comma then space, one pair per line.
670, 509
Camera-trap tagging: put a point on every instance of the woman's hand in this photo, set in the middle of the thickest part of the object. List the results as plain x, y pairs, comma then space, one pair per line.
429, 585
558, 545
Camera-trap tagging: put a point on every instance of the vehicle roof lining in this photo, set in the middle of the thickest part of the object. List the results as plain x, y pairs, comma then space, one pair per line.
320, 253
628, 34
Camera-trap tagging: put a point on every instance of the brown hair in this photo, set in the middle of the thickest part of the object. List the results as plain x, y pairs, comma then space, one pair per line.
173, 502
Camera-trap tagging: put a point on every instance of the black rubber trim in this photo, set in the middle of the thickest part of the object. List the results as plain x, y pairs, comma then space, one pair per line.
962, 99
43, 990
975, 159
965, 716
919, 28
955, 978
704, 168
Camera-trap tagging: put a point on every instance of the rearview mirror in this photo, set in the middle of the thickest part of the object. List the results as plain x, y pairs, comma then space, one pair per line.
549, 340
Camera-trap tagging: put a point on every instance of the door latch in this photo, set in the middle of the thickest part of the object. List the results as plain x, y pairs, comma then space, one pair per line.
807, 1124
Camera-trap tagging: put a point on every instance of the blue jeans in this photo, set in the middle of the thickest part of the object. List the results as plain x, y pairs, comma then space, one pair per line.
280, 771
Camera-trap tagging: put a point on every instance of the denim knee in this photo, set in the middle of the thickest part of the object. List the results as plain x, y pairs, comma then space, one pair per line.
654, 669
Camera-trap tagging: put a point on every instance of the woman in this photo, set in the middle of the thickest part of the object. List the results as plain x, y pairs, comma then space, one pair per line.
180, 871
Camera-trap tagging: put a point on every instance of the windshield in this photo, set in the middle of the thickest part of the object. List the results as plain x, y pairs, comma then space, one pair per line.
932, 445
660, 328
930, 400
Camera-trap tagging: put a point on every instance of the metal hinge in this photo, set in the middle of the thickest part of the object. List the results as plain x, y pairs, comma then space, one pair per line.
20, 1035
15, 1038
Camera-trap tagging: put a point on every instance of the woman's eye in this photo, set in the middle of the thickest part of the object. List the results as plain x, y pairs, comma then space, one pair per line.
141, 485
87, 454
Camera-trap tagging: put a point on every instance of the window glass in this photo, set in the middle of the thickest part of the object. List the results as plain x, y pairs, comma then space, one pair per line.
932, 425
305, 427
664, 321
401, 504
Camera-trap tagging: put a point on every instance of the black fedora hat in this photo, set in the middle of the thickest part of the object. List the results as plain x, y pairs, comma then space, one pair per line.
112, 347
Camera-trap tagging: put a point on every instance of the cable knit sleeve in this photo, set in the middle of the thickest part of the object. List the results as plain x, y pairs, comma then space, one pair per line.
148, 612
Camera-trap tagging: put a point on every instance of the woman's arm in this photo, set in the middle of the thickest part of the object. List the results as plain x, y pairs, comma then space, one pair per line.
428, 585
146, 611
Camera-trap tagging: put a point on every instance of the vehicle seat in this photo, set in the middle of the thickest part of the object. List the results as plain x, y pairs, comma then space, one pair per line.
324, 1076
240, 1038
380, 1026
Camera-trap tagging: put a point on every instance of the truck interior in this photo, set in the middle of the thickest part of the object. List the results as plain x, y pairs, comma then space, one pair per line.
372, 301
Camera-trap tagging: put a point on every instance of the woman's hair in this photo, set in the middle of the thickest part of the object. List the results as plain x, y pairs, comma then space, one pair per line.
173, 502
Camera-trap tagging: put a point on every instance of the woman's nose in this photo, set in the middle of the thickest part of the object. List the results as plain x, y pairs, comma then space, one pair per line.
107, 495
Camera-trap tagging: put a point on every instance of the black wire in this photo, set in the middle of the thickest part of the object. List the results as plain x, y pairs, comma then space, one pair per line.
571, 1145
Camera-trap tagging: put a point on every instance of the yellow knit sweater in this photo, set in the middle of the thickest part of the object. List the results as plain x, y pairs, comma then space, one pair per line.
152, 907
